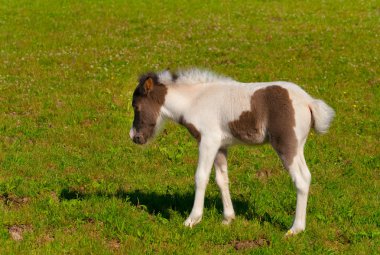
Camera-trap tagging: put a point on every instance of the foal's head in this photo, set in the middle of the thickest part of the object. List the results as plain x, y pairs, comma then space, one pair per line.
148, 98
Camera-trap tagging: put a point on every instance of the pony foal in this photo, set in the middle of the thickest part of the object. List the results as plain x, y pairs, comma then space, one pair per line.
220, 112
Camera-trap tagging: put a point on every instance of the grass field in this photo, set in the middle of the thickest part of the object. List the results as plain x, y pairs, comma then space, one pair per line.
72, 182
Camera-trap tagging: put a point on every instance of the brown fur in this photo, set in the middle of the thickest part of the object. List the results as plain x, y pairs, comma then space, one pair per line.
148, 98
271, 116
192, 129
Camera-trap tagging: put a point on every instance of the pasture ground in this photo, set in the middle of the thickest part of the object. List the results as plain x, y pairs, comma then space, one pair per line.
72, 182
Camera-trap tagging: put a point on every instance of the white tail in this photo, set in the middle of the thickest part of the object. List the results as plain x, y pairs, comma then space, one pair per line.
322, 115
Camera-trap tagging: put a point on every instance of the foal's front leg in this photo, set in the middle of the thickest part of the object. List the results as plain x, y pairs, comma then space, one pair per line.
207, 151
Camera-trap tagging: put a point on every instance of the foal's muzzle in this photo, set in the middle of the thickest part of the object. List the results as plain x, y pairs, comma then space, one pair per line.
139, 139
136, 136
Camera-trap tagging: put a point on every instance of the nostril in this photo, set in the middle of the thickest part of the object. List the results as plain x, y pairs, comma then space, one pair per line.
138, 138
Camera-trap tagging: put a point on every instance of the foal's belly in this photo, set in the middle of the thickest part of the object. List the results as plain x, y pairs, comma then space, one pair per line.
250, 137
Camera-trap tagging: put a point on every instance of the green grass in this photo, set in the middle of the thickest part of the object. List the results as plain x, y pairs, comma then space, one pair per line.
73, 182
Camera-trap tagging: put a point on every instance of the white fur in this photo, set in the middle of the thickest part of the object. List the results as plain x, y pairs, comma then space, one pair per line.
210, 102
132, 133
322, 115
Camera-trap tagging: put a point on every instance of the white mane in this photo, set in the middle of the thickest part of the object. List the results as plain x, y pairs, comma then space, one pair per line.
190, 76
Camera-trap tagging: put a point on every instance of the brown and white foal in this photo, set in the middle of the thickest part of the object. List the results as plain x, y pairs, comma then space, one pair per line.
220, 112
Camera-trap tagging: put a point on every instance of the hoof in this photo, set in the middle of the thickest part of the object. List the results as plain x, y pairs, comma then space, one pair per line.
192, 221
292, 232
289, 233
228, 219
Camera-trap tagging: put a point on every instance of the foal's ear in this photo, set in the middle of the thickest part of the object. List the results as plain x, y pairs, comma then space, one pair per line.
148, 85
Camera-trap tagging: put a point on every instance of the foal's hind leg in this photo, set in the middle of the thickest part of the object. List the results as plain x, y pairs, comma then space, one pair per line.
301, 177
221, 178
291, 154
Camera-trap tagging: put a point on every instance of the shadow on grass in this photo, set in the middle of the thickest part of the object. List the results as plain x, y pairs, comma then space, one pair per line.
155, 203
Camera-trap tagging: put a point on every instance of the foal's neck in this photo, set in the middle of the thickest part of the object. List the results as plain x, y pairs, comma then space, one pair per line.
179, 99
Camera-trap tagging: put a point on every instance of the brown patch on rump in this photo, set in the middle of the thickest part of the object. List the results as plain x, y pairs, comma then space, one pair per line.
271, 116
192, 129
